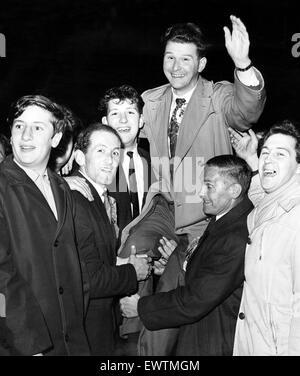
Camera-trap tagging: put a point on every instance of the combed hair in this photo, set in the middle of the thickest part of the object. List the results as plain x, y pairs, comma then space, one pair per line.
234, 168
186, 33
18, 107
121, 93
84, 137
288, 128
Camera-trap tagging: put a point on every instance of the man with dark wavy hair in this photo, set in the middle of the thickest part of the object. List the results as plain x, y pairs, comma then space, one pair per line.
186, 120
269, 317
41, 297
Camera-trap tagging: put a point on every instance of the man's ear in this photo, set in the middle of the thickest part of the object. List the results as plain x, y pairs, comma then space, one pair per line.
141, 122
104, 120
202, 64
79, 157
56, 139
235, 190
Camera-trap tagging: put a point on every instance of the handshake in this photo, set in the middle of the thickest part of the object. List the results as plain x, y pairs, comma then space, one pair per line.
142, 264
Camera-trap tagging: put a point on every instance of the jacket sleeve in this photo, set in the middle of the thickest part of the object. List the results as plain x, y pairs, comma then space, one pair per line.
294, 331
23, 330
104, 280
213, 283
241, 105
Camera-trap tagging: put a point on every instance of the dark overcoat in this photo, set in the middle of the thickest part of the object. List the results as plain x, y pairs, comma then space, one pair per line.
107, 282
206, 308
40, 275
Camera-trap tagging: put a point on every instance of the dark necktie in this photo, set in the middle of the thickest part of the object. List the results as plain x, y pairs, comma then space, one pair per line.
107, 205
174, 124
133, 193
111, 210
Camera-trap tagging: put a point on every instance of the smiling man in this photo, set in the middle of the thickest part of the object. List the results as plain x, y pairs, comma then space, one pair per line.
97, 152
121, 108
205, 309
269, 318
41, 305
186, 120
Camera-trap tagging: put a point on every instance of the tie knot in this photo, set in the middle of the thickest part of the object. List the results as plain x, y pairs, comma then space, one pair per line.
180, 102
130, 154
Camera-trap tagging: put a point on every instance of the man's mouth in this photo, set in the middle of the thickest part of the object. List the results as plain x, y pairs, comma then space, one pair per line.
27, 147
107, 170
124, 129
174, 75
269, 173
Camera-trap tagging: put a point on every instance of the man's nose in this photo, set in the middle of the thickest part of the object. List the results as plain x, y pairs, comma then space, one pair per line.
27, 133
202, 191
123, 118
176, 65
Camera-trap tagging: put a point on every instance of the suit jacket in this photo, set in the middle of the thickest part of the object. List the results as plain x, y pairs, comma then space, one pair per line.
97, 246
40, 275
202, 135
118, 190
206, 308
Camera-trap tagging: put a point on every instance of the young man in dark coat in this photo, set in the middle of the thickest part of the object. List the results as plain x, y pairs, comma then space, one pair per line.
41, 298
205, 309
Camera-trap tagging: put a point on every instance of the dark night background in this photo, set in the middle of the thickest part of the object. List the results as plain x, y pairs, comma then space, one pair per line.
74, 50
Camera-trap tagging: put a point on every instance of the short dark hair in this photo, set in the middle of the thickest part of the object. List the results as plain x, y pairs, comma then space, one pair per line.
234, 168
288, 128
121, 93
18, 107
84, 137
186, 33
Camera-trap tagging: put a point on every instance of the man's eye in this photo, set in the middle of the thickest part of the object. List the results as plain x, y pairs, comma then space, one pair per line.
38, 128
116, 153
18, 126
100, 150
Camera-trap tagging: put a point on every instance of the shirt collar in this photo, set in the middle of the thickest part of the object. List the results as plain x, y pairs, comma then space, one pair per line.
186, 96
31, 173
99, 188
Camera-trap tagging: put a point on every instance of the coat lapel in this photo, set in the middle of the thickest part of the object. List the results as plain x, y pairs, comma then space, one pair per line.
160, 112
59, 193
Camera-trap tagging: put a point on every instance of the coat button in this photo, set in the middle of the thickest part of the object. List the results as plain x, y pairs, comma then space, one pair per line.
61, 290
56, 243
249, 241
67, 338
241, 315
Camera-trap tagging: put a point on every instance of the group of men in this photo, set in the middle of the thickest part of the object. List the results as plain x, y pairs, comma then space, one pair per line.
60, 275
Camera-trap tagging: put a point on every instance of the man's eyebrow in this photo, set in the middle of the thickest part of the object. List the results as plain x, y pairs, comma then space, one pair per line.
277, 147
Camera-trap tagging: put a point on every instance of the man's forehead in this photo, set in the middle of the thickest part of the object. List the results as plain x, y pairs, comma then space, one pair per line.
105, 138
211, 172
280, 141
35, 114
116, 102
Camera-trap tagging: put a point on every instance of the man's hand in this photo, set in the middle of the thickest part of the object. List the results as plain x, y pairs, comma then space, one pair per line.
79, 184
237, 43
166, 249
245, 145
67, 168
128, 306
141, 264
